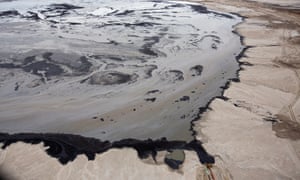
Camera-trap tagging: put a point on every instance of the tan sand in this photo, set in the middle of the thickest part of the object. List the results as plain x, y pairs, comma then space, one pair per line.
235, 131
24, 161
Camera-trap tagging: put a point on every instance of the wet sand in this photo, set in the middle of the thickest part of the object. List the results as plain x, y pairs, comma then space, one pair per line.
253, 132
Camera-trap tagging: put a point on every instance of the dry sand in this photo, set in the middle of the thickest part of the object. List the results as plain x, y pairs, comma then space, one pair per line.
115, 164
238, 131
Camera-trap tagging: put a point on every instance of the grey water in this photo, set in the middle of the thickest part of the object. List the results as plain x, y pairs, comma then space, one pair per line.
112, 69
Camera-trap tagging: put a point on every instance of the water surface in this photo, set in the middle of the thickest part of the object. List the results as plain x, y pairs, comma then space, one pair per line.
112, 69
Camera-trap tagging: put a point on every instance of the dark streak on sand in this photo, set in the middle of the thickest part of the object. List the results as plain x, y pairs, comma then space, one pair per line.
9, 66
241, 54
147, 47
66, 147
111, 78
197, 70
59, 10
49, 67
150, 99
173, 76
184, 98
38, 68
153, 91
204, 10
9, 13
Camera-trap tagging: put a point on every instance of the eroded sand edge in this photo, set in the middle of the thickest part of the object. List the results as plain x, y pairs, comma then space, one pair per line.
255, 134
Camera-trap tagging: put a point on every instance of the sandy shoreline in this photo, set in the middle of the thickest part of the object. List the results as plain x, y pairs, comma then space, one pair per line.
238, 132
255, 134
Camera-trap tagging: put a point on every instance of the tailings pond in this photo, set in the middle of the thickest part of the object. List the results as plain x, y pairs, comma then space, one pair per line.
112, 69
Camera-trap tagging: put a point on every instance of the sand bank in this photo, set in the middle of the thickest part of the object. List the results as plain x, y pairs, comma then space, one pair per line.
255, 133
24, 161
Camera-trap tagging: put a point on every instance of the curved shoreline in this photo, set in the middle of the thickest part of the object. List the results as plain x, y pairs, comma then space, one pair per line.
52, 140
245, 146
67, 147
115, 103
